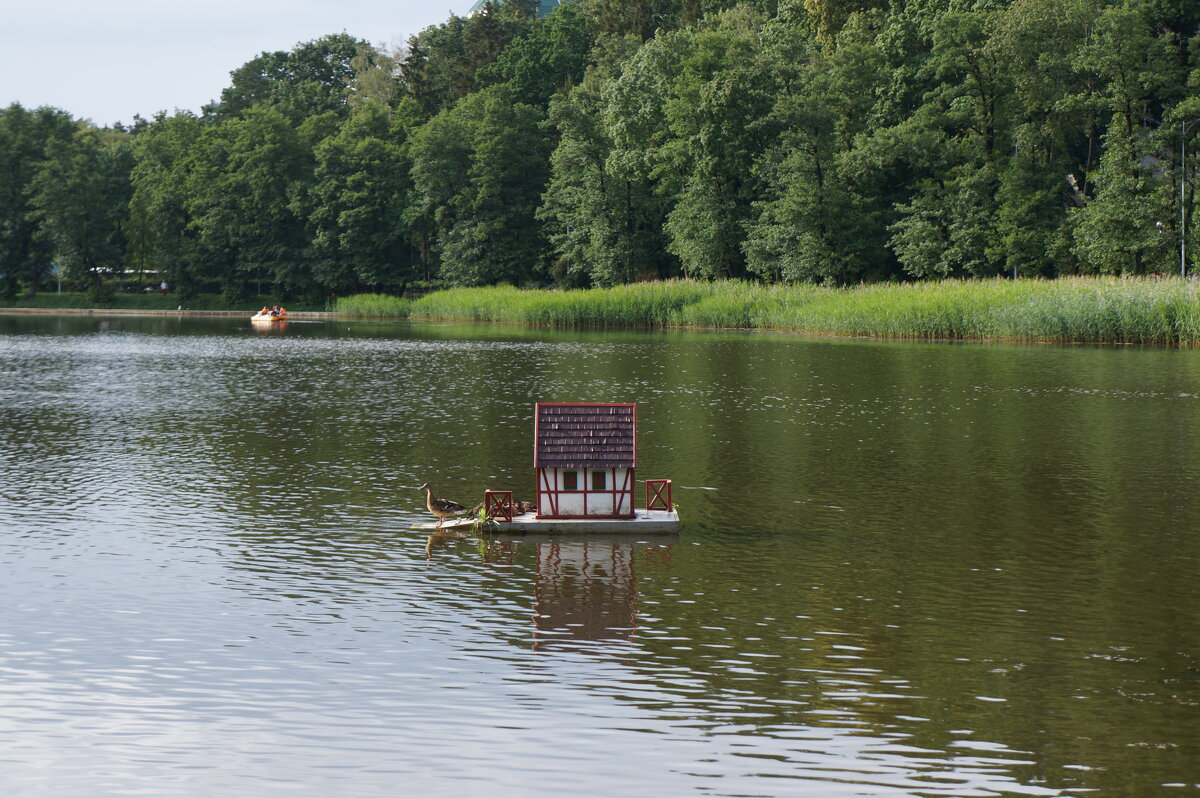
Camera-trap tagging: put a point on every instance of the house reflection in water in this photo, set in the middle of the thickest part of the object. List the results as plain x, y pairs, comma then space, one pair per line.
586, 591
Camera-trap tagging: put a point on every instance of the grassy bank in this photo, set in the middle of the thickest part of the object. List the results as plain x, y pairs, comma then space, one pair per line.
150, 301
1088, 310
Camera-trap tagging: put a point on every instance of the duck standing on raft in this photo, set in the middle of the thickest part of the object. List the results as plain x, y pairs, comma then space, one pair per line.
442, 508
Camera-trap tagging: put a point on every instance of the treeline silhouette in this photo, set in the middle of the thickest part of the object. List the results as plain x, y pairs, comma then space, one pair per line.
826, 141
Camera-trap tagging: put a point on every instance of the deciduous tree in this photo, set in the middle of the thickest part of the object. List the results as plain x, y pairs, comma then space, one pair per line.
358, 199
25, 135
80, 198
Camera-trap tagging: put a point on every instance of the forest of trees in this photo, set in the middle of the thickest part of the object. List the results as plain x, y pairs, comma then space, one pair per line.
831, 141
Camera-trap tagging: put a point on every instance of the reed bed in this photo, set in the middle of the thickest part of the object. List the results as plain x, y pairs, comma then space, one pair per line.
1077, 310
372, 306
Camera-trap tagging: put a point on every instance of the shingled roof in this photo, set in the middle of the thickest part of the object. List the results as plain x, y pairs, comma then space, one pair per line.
584, 436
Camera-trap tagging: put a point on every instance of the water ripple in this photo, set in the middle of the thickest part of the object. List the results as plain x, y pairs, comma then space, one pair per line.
211, 585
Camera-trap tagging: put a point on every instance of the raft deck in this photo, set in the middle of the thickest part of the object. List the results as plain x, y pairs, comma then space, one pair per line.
643, 522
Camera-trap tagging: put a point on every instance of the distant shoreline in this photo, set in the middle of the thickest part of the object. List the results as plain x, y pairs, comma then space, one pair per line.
302, 314
1075, 310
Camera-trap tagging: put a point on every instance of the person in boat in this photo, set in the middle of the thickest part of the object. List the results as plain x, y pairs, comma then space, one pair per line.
264, 311
274, 310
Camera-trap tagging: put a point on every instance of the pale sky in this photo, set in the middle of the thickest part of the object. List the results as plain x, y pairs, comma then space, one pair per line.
106, 60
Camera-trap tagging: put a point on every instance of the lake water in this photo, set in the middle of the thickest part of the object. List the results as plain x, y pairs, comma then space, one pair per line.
904, 569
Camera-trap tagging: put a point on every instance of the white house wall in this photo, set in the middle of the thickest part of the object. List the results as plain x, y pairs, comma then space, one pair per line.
572, 503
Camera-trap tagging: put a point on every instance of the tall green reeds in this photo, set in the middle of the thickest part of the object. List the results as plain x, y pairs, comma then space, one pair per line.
372, 305
1094, 310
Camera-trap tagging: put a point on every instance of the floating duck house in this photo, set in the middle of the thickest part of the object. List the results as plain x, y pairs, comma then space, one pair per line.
585, 465
584, 460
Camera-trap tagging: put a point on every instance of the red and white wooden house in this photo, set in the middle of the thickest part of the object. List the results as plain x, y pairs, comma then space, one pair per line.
584, 459
585, 464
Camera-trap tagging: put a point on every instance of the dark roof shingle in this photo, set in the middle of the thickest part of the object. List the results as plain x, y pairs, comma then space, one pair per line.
584, 436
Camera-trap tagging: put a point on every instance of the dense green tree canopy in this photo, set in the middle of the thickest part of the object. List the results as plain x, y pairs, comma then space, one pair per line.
25, 136
80, 201
310, 79
830, 141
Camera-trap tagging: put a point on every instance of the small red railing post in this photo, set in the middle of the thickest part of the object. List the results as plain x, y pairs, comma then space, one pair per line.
655, 500
498, 505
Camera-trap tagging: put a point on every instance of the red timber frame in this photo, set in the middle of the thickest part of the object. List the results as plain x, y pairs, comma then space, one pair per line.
620, 499
547, 478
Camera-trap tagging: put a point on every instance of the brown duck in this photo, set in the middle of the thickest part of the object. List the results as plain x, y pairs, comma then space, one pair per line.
442, 508
518, 507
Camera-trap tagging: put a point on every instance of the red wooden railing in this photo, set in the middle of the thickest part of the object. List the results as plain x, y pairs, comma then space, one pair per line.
498, 505
655, 500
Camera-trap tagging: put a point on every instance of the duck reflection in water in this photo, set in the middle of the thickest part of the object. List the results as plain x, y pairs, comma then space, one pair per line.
494, 552
441, 538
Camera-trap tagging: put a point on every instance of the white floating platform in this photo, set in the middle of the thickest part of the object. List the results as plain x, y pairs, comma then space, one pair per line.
643, 522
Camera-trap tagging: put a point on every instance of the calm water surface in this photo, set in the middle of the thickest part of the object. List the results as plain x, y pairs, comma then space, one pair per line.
905, 569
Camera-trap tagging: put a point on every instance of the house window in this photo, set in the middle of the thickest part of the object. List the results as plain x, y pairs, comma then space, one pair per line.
598, 480
570, 480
